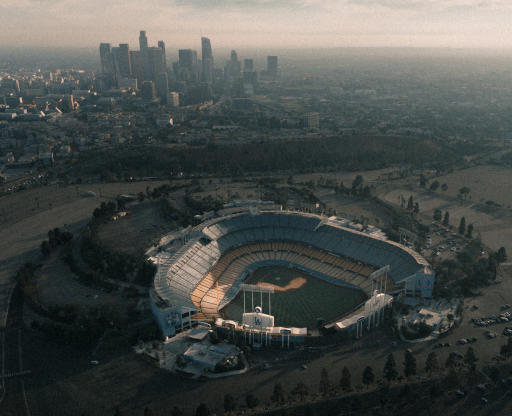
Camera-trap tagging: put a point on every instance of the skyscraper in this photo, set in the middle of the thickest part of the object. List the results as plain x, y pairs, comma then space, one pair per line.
143, 40
124, 60
187, 65
161, 45
272, 67
248, 65
162, 87
136, 66
106, 58
154, 62
207, 61
233, 67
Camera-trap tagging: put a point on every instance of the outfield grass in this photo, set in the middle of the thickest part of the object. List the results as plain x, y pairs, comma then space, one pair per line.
297, 307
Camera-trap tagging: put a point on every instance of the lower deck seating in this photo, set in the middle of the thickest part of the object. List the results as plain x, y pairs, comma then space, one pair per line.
210, 292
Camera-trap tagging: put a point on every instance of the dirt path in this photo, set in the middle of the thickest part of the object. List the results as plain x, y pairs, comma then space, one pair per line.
295, 283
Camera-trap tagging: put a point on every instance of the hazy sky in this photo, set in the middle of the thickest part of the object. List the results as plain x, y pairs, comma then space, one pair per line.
259, 23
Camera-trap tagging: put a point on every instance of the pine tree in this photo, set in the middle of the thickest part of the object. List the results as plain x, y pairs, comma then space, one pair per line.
368, 376
451, 361
462, 225
501, 255
410, 203
345, 381
251, 400
432, 364
278, 395
409, 364
506, 349
229, 403
446, 219
469, 233
202, 410
390, 372
470, 359
324, 382
176, 411
438, 215
452, 379
300, 390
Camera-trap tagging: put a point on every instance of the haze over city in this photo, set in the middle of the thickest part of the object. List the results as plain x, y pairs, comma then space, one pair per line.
255, 207
260, 23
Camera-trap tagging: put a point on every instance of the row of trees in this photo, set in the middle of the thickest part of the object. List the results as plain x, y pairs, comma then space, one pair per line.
346, 152
463, 229
56, 237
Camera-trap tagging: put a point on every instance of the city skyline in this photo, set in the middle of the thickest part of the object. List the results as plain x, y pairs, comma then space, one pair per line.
260, 23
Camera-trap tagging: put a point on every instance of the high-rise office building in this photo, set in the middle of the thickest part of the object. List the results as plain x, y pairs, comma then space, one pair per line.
248, 65
148, 90
115, 52
124, 60
207, 61
162, 87
272, 67
154, 63
136, 66
161, 45
143, 40
106, 58
233, 67
187, 65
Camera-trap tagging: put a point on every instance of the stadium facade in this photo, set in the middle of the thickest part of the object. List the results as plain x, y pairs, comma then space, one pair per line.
201, 269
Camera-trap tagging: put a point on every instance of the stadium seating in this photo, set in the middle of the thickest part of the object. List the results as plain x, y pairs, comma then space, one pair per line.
206, 272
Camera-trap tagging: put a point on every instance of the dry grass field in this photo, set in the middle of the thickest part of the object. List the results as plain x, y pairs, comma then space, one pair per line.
136, 232
493, 224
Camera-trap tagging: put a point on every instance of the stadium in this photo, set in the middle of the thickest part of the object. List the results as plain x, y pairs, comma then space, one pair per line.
261, 270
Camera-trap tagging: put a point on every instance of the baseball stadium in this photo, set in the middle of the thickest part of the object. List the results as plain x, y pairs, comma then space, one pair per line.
258, 268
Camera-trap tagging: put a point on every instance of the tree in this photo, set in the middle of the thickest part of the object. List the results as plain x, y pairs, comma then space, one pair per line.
46, 249
452, 379
345, 381
464, 192
434, 185
470, 359
300, 391
251, 401
278, 395
446, 219
202, 410
409, 364
390, 372
410, 203
416, 208
432, 363
438, 215
357, 184
423, 181
176, 411
462, 225
229, 403
444, 187
451, 361
501, 255
506, 349
469, 232
324, 382
368, 376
